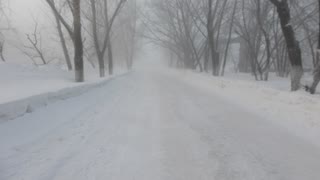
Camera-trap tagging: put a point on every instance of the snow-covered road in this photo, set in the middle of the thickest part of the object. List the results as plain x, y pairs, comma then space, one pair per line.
151, 125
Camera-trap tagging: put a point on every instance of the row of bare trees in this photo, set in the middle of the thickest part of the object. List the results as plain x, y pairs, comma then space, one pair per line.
87, 30
99, 19
274, 35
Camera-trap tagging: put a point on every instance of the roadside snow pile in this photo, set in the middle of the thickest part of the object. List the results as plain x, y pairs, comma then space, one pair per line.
25, 88
23, 80
298, 112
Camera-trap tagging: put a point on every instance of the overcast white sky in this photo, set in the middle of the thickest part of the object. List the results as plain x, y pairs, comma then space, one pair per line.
23, 10
21, 17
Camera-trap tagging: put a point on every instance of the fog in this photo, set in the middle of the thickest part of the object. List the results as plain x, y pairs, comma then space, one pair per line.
23, 12
159, 89
22, 16
140, 22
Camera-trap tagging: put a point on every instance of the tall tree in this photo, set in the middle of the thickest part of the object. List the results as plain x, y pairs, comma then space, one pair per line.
5, 25
316, 76
63, 42
2, 42
129, 30
78, 44
229, 37
74, 32
293, 47
210, 34
107, 24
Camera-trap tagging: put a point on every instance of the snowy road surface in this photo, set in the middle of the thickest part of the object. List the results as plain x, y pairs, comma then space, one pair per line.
151, 126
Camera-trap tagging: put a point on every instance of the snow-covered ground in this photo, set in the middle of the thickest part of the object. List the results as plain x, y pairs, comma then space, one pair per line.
298, 112
25, 87
24, 80
168, 125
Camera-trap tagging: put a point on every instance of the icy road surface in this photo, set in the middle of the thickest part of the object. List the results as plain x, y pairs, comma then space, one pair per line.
151, 126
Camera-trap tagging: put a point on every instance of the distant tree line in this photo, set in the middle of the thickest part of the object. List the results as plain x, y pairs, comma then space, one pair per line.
278, 36
92, 30
86, 30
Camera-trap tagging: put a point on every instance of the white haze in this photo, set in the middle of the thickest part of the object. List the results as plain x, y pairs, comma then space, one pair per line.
149, 122
22, 16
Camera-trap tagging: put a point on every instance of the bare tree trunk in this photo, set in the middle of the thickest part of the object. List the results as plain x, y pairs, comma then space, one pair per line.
316, 75
294, 50
316, 79
99, 52
63, 43
75, 34
206, 57
1, 51
244, 57
214, 54
264, 72
101, 63
106, 41
229, 39
110, 56
78, 44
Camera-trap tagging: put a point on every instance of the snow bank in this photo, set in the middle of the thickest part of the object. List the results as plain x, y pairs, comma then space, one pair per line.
25, 88
298, 112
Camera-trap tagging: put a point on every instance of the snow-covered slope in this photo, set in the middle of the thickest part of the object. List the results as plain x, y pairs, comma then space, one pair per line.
25, 88
299, 112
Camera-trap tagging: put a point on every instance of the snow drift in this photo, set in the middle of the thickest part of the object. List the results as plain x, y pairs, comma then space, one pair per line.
28, 88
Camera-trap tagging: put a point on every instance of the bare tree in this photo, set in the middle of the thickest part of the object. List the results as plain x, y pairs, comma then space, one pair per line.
229, 38
316, 76
35, 49
129, 30
77, 39
2, 43
5, 26
100, 22
210, 31
255, 29
63, 42
75, 33
174, 26
294, 50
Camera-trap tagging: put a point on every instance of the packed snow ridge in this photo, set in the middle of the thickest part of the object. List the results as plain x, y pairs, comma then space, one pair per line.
26, 88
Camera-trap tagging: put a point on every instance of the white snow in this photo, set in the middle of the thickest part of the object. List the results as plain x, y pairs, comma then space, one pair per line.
25, 87
168, 125
19, 81
298, 112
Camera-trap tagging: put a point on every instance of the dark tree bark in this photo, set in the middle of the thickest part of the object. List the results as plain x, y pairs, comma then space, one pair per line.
63, 44
99, 52
106, 41
244, 57
294, 50
264, 71
316, 75
78, 44
75, 34
110, 56
210, 31
1, 51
